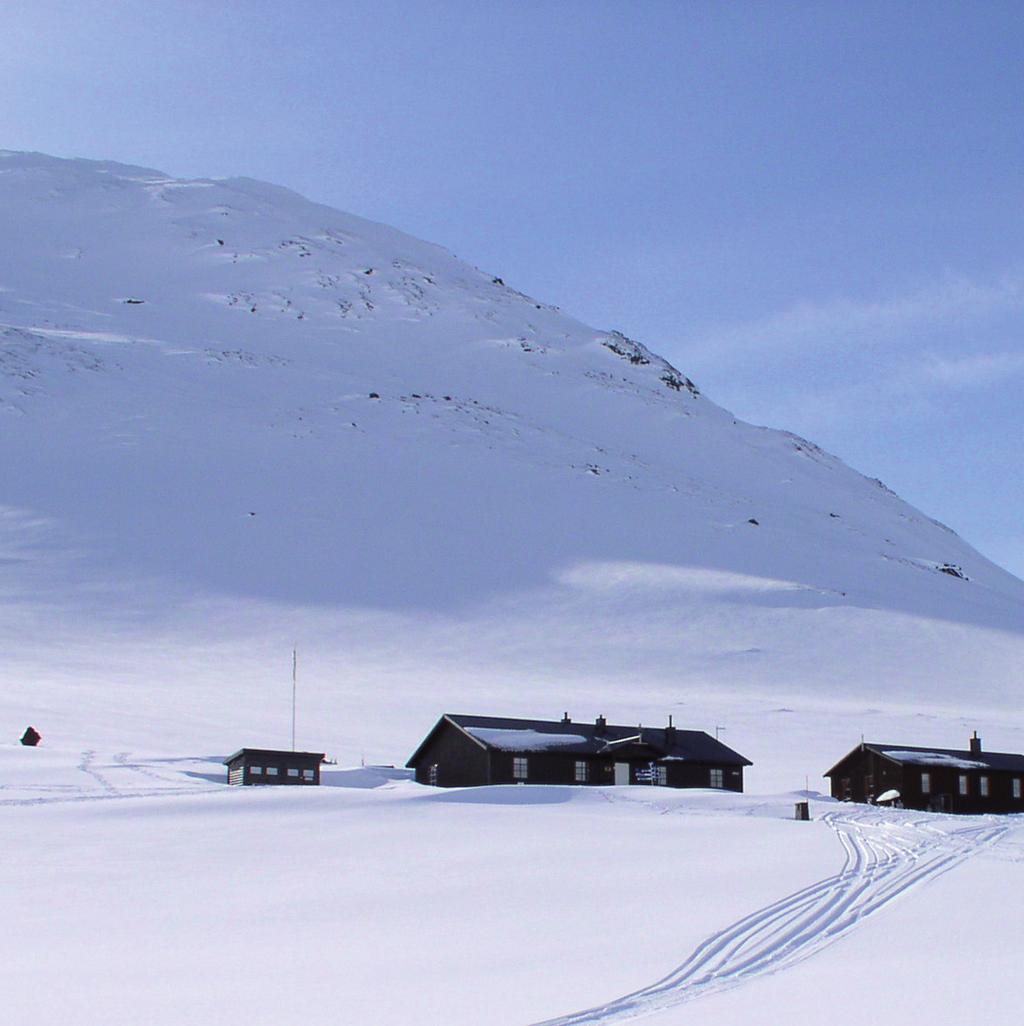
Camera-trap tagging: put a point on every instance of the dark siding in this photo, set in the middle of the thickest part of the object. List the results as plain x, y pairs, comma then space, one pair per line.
695, 774
1000, 790
870, 775
282, 762
460, 761
864, 775
550, 768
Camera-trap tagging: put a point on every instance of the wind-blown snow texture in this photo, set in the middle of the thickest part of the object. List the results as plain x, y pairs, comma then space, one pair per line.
232, 421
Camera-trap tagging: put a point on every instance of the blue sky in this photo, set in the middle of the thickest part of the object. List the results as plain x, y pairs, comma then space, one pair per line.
813, 209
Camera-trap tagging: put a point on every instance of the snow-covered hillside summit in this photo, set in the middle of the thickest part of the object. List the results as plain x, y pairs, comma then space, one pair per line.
220, 393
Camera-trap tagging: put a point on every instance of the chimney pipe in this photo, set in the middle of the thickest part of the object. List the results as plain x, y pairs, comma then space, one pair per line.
565, 718
975, 744
670, 733
600, 724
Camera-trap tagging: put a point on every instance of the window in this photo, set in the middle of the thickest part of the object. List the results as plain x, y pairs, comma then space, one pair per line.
983, 786
846, 789
961, 784
926, 783
292, 771
308, 775
432, 775
662, 778
271, 771
255, 771
519, 767
1016, 787
716, 778
580, 772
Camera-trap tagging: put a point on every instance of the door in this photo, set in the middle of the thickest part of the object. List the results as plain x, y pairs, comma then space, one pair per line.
621, 773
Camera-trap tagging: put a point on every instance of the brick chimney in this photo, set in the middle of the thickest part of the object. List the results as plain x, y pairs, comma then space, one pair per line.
975, 744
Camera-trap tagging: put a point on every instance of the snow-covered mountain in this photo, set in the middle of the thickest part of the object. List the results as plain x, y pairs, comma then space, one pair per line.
232, 419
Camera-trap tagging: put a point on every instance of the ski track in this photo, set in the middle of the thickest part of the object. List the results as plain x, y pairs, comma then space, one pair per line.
87, 765
64, 794
884, 857
122, 760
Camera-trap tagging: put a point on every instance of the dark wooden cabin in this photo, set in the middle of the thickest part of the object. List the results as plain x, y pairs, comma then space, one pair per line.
270, 766
934, 779
465, 751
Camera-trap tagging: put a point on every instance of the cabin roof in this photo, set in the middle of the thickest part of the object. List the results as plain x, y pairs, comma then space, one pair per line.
569, 737
938, 758
274, 753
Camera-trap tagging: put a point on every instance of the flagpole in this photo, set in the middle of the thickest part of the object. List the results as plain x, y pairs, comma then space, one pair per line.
295, 660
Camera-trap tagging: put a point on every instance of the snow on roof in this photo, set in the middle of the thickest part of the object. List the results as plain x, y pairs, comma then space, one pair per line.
595, 738
933, 758
512, 740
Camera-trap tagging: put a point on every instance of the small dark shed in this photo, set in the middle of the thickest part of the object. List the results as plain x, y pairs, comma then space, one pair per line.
465, 751
936, 779
270, 766
31, 737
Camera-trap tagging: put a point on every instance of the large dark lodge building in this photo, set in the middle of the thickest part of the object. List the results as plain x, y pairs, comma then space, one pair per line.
933, 779
463, 751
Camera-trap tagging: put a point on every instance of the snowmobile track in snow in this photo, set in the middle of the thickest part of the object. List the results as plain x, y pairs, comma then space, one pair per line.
64, 794
885, 856
87, 766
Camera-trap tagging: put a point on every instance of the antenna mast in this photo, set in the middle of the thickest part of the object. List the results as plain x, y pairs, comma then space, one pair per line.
295, 661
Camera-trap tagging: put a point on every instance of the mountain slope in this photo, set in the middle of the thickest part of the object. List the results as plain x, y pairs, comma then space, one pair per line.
231, 418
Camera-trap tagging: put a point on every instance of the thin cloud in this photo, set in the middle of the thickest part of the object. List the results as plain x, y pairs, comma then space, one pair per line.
974, 371
955, 303
912, 387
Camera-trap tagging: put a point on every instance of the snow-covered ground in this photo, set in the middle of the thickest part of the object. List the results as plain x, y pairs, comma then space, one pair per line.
142, 889
233, 422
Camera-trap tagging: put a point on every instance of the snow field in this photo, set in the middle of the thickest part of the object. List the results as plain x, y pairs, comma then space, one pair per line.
885, 856
384, 901
145, 890
948, 952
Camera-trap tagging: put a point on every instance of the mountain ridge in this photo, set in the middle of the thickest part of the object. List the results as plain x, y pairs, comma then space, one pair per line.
216, 395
